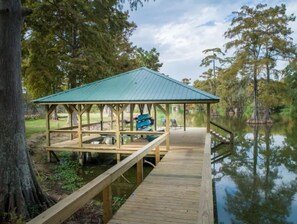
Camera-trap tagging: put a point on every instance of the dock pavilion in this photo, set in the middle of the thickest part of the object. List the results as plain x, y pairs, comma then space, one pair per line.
178, 189
140, 87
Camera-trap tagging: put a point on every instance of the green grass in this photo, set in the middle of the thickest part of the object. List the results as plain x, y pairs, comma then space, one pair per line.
38, 126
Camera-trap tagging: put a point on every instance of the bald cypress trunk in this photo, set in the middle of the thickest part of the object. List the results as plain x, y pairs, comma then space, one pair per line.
19, 190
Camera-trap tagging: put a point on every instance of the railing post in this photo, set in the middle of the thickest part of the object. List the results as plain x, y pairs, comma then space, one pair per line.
118, 134
208, 118
139, 172
185, 120
48, 136
167, 127
107, 204
157, 154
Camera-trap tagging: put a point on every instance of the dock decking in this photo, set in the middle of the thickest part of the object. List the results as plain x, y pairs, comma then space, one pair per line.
171, 192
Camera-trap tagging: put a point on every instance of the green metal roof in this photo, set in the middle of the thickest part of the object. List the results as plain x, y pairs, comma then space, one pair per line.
139, 85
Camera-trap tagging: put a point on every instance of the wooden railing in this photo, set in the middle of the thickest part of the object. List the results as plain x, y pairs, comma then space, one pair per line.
69, 205
231, 134
205, 215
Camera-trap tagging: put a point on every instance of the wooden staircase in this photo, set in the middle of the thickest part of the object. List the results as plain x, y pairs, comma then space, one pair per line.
225, 137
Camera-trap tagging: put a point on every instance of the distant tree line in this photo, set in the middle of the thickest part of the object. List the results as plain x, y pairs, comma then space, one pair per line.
250, 80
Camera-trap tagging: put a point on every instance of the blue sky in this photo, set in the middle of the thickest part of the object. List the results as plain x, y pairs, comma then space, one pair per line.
182, 29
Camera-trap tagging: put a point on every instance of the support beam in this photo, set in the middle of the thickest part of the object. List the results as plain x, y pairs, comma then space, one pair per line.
79, 130
88, 116
155, 116
139, 172
47, 124
132, 106
185, 121
149, 108
118, 134
107, 204
101, 108
111, 116
141, 108
167, 127
208, 118
161, 108
81, 158
123, 125
70, 117
157, 155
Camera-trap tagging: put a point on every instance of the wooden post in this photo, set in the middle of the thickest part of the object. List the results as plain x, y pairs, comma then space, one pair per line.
101, 108
132, 106
167, 127
141, 107
79, 133
81, 158
71, 124
48, 141
79, 130
123, 120
118, 137
139, 172
157, 154
208, 118
88, 119
185, 121
155, 117
107, 204
111, 124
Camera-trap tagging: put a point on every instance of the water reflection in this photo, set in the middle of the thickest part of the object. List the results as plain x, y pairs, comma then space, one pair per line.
258, 182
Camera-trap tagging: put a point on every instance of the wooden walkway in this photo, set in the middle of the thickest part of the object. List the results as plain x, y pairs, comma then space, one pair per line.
171, 192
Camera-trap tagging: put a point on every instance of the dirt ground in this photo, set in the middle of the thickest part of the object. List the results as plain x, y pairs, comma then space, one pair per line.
89, 214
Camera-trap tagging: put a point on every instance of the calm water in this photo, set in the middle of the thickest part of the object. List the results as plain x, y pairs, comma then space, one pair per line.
257, 182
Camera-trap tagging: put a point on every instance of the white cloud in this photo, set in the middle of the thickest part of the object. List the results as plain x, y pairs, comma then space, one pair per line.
187, 28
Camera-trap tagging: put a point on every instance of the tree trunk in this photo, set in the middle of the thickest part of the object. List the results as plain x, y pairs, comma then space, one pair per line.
19, 190
255, 116
266, 117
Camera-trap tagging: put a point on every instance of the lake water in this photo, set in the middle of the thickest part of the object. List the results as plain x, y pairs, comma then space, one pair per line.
257, 182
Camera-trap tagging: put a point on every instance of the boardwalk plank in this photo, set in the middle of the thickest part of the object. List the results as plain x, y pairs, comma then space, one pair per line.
171, 192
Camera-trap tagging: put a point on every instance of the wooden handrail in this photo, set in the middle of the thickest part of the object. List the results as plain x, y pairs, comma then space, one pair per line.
69, 205
73, 127
108, 132
63, 131
142, 132
221, 127
205, 214
226, 130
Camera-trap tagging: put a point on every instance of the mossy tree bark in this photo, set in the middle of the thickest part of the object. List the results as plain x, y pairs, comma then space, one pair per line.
19, 190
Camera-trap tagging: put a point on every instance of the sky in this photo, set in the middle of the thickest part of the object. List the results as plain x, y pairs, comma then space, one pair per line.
181, 29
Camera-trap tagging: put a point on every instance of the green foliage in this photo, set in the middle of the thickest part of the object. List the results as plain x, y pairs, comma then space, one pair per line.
149, 59
259, 36
291, 83
66, 172
12, 218
248, 111
117, 202
70, 43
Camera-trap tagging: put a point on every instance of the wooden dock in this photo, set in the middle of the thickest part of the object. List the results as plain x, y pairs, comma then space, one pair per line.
178, 190
171, 193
